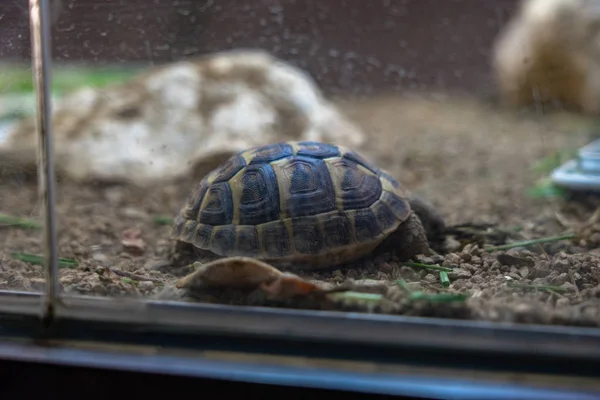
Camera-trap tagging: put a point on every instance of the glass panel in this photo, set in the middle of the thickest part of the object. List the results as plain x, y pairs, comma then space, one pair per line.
401, 155
21, 252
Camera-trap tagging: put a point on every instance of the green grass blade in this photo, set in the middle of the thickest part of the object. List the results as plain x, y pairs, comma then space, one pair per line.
39, 260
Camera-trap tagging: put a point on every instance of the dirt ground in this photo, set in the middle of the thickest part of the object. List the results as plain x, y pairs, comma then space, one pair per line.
472, 160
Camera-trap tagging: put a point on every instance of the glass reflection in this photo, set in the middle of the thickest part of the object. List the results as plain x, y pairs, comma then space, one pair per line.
161, 115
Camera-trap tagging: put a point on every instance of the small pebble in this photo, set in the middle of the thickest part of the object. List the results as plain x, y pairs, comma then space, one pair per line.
425, 259
508, 259
158, 265
524, 271
436, 259
113, 288
496, 266
18, 281
540, 272
371, 286
452, 245
386, 267
466, 257
100, 257
514, 276
559, 280
338, 276
594, 239
459, 273
562, 302
114, 195
562, 265
98, 288
146, 286
134, 213
523, 310
352, 274
519, 252
37, 284
469, 248
569, 287
469, 267
452, 258
540, 281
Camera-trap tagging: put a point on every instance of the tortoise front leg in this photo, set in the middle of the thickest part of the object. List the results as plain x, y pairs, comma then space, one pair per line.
431, 219
410, 239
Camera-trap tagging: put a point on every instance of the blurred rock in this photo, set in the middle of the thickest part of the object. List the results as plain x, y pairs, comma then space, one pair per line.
182, 118
549, 54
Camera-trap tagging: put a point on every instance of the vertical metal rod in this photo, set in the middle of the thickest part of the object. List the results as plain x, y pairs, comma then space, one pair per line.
41, 59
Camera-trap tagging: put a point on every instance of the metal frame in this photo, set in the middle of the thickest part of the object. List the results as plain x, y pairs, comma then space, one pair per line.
175, 338
39, 15
414, 385
388, 337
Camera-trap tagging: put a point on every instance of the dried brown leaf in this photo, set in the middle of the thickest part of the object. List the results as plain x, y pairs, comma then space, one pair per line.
288, 286
132, 241
233, 272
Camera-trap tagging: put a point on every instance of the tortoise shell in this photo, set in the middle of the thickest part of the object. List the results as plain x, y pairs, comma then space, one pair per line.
293, 203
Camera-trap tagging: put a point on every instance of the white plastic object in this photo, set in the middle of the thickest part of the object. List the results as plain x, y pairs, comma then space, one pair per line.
582, 173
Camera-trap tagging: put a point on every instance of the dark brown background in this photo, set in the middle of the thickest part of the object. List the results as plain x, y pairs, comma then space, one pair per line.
347, 45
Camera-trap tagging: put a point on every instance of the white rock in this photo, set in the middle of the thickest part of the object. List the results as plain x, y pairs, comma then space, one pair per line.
183, 117
550, 53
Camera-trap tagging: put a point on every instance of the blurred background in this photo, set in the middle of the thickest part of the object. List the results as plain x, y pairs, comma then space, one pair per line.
347, 46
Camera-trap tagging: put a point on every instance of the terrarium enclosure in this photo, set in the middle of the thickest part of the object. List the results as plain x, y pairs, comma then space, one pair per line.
149, 97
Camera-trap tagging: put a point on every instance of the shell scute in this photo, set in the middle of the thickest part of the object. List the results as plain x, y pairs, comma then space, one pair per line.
194, 203
317, 150
385, 217
218, 205
397, 205
259, 198
229, 169
178, 225
358, 159
307, 237
271, 152
366, 226
275, 239
248, 243
223, 240
338, 230
358, 189
390, 179
310, 190
203, 236
188, 230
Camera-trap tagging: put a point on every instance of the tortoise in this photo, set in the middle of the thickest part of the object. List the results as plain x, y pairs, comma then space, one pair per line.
303, 205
